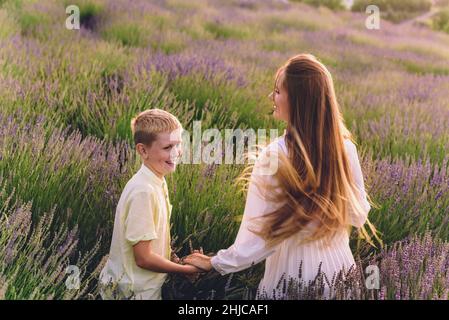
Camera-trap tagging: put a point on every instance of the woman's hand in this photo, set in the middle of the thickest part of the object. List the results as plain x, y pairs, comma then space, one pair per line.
199, 260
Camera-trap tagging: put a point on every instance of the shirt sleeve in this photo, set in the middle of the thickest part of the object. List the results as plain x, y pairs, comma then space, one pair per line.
248, 248
139, 223
356, 219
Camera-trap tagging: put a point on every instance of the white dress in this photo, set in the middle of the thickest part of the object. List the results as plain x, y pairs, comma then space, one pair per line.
285, 258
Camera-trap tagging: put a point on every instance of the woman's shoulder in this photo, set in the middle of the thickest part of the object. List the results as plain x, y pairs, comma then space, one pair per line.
266, 161
277, 144
350, 146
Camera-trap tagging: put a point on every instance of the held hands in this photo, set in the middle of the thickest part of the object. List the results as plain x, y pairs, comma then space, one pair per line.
199, 260
192, 272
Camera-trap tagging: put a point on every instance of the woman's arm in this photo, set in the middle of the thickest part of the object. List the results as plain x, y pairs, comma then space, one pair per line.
248, 248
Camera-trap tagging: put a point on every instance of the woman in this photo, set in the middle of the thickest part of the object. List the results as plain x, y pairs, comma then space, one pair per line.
299, 218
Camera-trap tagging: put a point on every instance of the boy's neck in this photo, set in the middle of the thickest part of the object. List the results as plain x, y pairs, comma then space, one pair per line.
159, 175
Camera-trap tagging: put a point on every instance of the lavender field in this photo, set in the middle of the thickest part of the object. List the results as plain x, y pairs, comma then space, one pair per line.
67, 98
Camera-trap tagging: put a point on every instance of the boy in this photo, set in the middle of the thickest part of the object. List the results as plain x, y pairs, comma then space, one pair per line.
140, 251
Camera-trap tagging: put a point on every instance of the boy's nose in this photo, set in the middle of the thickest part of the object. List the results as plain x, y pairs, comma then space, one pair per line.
177, 152
270, 96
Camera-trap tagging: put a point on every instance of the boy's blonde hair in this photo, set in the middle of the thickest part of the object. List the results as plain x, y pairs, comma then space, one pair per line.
147, 124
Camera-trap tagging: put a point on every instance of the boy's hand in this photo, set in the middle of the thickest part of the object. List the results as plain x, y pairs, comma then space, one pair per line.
192, 273
174, 258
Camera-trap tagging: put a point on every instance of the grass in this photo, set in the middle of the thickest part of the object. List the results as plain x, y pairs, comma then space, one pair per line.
221, 31
32, 24
35, 260
126, 34
52, 165
417, 68
205, 95
90, 13
331, 4
197, 215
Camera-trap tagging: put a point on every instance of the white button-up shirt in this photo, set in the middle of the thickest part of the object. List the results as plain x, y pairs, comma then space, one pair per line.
286, 257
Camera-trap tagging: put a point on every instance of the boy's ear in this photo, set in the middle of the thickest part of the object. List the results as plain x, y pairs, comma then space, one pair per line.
141, 150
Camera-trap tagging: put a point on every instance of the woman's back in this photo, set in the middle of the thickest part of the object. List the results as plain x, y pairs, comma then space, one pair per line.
299, 261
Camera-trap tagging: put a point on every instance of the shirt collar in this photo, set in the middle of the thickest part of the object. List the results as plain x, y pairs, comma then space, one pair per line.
152, 176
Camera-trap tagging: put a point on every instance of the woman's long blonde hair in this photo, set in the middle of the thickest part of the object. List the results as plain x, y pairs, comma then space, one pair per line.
314, 183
